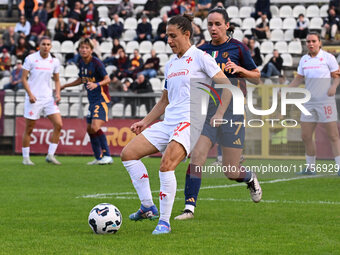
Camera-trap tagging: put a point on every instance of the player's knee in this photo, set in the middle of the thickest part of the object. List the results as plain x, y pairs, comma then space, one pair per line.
333, 137
306, 137
58, 126
127, 154
197, 156
232, 172
166, 164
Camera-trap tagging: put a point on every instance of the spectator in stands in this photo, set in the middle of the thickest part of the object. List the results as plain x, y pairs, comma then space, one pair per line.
5, 63
21, 50
255, 52
77, 13
23, 26
262, 30
202, 9
335, 4
41, 13
198, 36
61, 9
10, 39
262, 7
38, 29
116, 29
75, 29
161, 30
151, 9
115, 86
330, 25
50, 6
123, 64
125, 9
102, 30
273, 67
144, 30
61, 29
89, 30
187, 6
301, 29
141, 85
112, 60
151, 66
175, 8
2, 45
27, 8
92, 13
15, 79
136, 64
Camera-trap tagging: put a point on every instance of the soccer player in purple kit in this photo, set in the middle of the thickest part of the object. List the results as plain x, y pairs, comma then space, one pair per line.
93, 75
235, 60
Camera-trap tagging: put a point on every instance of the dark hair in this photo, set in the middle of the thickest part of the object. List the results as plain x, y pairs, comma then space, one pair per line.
45, 37
183, 23
314, 33
225, 16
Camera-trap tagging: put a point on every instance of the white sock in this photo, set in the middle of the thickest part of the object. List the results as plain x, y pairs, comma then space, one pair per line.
337, 161
140, 180
190, 207
26, 152
310, 161
52, 148
167, 194
219, 158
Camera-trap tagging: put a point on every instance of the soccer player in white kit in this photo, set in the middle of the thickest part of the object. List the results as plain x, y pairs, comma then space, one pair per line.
41, 66
318, 68
171, 136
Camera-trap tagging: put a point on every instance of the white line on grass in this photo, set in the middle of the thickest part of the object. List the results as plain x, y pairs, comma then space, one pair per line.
105, 195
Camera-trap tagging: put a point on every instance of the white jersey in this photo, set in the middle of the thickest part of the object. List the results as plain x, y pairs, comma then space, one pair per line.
194, 64
41, 71
317, 72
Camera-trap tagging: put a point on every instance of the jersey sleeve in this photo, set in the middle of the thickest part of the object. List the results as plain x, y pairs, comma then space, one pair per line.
332, 63
27, 64
56, 67
208, 64
300, 70
248, 62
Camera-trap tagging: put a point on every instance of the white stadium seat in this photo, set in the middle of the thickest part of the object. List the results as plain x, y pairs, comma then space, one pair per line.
277, 35
146, 56
289, 23
207, 36
156, 84
237, 21
51, 23
316, 23
248, 23
103, 11
155, 22
9, 109
289, 35
163, 59
238, 34
245, 11
267, 47
145, 47
129, 35
295, 47
61, 70
287, 59
324, 11
275, 23
131, 46
130, 23
267, 58
286, 11
74, 110
56, 47
232, 12
63, 108
19, 109
164, 10
117, 110
106, 47
71, 71
312, 11
275, 11
159, 47
281, 46
299, 9
198, 21
205, 24
110, 69
67, 47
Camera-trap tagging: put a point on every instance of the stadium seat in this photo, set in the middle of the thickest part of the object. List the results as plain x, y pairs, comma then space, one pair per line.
163, 59
275, 11
103, 11
245, 11
267, 47
232, 12
312, 11
117, 110
159, 47
207, 36
62, 80
130, 23
60, 57
155, 22
267, 58
108, 21
168, 50
110, 69
106, 47
316, 23
9, 109
164, 10
61, 70
56, 47
138, 9
277, 35
63, 108
281, 46
324, 11
156, 84
131, 46
299, 9
289, 35
205, 24
19, 111
275, 23
67, 47
51, 23
74, 110
71, 71
237, 21
86, 109
127, 111
198, 21
129, 35
289, 23
146, 56
286, 11
19, 99
238, 34
4, 81
287, 59
295, 47
145, 47
248, 23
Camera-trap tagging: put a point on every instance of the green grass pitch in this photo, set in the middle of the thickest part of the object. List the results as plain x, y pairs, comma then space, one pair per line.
44, 210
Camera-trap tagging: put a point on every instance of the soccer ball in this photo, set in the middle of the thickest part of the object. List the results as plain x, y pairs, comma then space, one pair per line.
105, 219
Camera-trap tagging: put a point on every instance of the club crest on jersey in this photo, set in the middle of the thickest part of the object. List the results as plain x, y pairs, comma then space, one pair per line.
225, 54
214, 54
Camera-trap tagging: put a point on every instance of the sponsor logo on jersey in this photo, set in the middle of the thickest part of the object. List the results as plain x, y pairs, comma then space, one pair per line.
180, 72
225, 54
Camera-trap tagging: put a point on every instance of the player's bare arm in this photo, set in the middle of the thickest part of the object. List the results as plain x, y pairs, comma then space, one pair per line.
57, 86
72, 84
335, 83
298, 80
93, 85
252, 76
32, 98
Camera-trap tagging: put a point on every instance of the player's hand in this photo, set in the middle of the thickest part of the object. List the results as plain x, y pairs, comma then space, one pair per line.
138, 127
62, 87
32, 98
91, 85
233, 66
216, 120
331, 91
57, 97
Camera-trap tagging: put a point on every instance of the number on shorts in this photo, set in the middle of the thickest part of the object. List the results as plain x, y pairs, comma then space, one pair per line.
328, 110
238, 128
97, 109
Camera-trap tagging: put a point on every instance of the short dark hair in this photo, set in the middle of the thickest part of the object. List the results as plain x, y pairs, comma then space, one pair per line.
221, 11
183, 22
314, 33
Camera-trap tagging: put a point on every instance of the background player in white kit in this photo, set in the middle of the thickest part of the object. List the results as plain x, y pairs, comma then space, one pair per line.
41, 66
171, 136
317, 68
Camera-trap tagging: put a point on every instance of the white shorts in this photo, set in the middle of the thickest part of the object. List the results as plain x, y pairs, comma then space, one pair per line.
160, 135
323, 112
45, 106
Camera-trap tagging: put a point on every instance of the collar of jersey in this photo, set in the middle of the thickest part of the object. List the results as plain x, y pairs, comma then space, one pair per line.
318, 55
187, 53
40, 57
